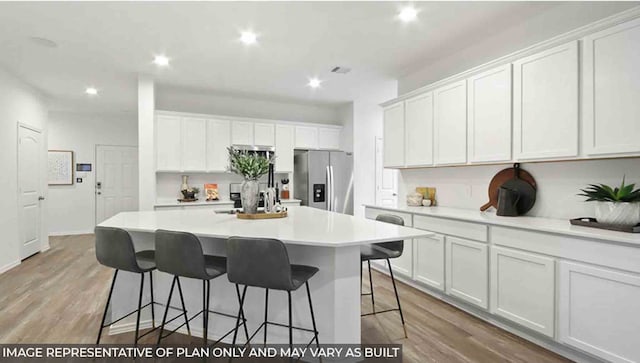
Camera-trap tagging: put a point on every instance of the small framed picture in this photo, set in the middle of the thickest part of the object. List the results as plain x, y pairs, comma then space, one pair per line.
60, 167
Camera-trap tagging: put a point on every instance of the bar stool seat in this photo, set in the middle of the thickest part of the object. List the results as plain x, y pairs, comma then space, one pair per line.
373, 252
215, 266
146, 260
301, 274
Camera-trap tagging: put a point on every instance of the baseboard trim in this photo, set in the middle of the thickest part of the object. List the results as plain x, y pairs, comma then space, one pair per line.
9, 266
69, 233
552, 345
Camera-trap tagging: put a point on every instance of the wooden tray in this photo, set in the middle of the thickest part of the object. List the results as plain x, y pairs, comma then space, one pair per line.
187, 200
591, 222
261, 215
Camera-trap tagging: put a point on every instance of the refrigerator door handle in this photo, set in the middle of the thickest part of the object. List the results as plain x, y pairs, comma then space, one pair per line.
333, 201
328, 191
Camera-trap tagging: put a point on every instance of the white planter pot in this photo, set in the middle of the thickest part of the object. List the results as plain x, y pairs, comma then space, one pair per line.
627, 214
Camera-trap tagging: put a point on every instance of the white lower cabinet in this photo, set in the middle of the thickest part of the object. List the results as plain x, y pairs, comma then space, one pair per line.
599, 311
404, 264
467, 276
428, 267
523, 288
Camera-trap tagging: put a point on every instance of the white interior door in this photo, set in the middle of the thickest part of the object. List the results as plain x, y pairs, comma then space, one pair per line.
29, 190
386, 180
116, 180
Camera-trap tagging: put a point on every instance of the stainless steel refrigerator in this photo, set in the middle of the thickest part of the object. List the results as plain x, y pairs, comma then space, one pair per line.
324, 180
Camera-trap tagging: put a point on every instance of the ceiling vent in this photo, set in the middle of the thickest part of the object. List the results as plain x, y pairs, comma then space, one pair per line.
341, 70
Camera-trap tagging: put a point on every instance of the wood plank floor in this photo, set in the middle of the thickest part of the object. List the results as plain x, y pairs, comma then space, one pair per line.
58, 297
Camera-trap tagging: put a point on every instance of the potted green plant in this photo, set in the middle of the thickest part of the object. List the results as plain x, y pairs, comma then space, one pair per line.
620, 205
251, 166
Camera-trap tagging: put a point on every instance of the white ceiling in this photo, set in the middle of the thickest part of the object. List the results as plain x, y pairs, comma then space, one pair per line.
107, 44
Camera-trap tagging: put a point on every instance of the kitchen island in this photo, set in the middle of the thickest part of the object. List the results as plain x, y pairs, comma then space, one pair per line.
327, 240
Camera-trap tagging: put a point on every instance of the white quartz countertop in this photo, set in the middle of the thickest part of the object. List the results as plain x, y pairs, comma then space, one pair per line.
202, 201
303, 226
550, 225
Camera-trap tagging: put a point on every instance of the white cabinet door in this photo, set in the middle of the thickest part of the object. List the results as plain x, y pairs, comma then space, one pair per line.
490, 115
429, 261
599, 311
467, 271
328, 138
523, 288
264, 134
403, 265
306, 137
419, 130
168, 143
242, 133
450, 123
393, 134
218, 140
194, 144
284, 148
611, 80
545, 104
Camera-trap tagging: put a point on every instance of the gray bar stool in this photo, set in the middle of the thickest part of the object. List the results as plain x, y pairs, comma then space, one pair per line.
180, 254
384, 251
114, 248
265, 263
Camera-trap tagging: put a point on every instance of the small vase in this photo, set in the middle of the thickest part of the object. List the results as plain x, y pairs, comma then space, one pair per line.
185, 182
250, 196
624, 214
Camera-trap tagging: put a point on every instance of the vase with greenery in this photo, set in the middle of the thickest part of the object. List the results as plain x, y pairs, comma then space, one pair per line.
251, 166
619, 205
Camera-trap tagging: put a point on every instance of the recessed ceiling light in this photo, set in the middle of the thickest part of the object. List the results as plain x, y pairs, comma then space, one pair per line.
91, 91
408, 14
44, 42
248, 37
161, 61
314, 83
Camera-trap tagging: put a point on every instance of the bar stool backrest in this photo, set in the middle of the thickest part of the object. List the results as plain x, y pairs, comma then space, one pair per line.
180, 254
259, 262
114, 248
397, 246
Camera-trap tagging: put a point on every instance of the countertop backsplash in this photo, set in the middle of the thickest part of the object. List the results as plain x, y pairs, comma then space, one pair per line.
558, 183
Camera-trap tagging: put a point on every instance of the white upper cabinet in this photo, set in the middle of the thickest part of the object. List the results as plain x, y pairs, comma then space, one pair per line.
545, 102
450, 123
242, 133
306, 137
490, 115
418, 124
611, 98
328, 138
393, 153
284, 148
168, 143
194, 144
264, 134
218, 140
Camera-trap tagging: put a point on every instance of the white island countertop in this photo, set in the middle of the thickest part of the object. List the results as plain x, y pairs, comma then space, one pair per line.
303, 226
539, 224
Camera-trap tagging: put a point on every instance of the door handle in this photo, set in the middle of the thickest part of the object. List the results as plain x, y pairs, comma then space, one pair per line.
99, 193
40, 198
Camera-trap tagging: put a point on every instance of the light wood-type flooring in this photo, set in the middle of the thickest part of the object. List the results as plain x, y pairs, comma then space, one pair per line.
58, 297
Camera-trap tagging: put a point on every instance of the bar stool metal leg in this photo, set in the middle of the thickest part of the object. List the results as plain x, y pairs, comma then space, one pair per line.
290, 320
166, 309
139, 308
313, 317
240, 312
153, 308
395, 289
184, 308
106, 307
205, 307
266, 313
373, 300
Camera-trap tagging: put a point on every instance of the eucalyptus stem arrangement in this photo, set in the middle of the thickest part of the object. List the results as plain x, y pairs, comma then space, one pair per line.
250, 165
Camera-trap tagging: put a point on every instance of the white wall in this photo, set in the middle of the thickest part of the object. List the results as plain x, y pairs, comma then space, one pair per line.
19, 102
71, 208
146, 143
557, 20
367, 126
198, 101
558, 183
